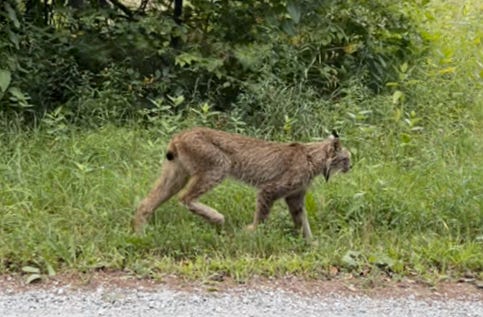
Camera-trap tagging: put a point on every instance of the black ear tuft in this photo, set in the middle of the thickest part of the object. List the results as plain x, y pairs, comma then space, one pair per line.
335, 141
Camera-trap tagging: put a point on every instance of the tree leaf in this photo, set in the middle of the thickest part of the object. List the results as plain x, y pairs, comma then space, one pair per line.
184, 59
397, 97
176, 100
17, 93
288, 27
294, 11
5, 79
14, 38
404, 67
12, 15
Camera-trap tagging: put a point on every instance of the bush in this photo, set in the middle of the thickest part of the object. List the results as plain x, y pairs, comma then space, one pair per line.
94, 62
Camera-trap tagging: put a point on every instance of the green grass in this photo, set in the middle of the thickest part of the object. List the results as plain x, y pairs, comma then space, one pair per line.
412, 205
67, 203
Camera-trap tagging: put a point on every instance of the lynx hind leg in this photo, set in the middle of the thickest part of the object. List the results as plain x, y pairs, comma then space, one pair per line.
296, 207
172, 179
199, 184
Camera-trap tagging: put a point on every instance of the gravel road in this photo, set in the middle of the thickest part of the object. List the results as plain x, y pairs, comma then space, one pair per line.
163, 301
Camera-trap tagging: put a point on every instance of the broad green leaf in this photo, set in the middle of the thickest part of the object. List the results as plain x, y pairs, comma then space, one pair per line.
405, 138
32, 278
5, 78
352, 258
205, 107
17, 93
14, 38
186, 59
294, 11
397, 96
404, 67
289, 28
30, 269
176, 100
12, 15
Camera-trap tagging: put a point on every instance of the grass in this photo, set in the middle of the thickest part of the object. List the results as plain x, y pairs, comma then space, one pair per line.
67, 203
411, 206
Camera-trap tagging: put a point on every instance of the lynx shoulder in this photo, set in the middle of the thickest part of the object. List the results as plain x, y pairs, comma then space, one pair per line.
199, 159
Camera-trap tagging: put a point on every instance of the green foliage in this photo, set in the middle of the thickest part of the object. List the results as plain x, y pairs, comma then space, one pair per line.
70, 208
9, 46
99, 65
411, 205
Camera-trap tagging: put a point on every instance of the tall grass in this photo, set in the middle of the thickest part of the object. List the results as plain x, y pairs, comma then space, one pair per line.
67, 202
411, 205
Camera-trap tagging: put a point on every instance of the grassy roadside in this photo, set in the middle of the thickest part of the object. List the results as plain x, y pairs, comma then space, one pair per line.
411, 206
67, 204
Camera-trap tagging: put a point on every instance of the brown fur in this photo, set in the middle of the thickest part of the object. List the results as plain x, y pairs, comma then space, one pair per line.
200, 158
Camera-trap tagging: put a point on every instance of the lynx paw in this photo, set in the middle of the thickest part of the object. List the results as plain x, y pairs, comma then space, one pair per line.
137, 226
218, 219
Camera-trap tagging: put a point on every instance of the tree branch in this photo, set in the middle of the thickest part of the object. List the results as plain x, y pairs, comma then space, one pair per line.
178, 10
122, 7
142, 6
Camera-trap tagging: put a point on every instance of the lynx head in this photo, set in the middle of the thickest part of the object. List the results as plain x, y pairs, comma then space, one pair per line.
339, 158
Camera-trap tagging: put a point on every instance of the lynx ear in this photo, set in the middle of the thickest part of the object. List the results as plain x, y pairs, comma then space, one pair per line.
335, 141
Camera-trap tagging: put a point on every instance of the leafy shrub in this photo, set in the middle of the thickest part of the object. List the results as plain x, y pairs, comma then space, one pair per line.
95, 63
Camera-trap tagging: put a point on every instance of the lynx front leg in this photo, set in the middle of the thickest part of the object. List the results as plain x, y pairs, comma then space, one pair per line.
296, 206
172, 180
197, 186
265, 201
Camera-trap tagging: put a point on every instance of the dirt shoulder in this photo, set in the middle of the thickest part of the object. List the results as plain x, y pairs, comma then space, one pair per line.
464, 289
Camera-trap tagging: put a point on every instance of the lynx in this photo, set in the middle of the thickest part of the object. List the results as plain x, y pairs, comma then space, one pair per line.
199, 159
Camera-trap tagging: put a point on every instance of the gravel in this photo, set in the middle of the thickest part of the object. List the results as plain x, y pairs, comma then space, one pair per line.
63, 301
